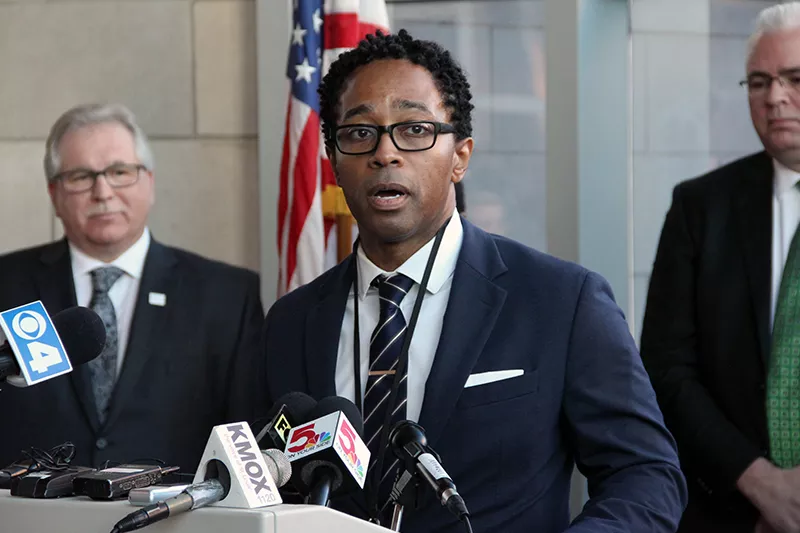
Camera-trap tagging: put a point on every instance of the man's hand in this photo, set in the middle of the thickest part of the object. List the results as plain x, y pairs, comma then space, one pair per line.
776, 494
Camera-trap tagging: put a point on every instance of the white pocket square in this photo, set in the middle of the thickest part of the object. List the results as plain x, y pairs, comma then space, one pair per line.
482, 378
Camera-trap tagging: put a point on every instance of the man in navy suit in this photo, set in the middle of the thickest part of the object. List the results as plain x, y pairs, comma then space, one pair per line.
519, 365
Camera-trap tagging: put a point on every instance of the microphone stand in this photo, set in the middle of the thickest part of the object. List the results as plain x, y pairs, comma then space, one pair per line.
321, 490
397, 517
404, 494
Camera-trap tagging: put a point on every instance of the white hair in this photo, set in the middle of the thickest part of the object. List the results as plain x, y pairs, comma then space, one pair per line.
87, 115
774, 19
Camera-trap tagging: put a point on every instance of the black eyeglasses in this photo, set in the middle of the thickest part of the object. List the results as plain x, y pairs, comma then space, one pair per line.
118, 176
411, 136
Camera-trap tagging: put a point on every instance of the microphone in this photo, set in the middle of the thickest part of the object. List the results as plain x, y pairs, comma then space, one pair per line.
278, 466
287, 412
201, 494
328, 456
193, 497
14, 470
233, 458
410, 446
39, 349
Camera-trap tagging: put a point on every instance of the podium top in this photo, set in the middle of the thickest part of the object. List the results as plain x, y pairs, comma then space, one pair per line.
79, 514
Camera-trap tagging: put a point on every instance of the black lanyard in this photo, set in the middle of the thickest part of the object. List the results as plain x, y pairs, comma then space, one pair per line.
402, 363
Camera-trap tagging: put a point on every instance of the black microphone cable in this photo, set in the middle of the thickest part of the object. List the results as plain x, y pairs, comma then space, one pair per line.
467, 523
56, 459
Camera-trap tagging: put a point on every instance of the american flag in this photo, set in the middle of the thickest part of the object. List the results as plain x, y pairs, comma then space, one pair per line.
321, 31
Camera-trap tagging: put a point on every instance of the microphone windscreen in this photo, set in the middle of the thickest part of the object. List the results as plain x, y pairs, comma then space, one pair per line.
288, 411
298, 406
278, 465
82, 332
331, 404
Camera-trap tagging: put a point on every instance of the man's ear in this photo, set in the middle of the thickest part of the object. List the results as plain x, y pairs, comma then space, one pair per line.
461, 157
51, 190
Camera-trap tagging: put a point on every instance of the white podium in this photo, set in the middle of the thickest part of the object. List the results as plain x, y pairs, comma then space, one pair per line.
83, 515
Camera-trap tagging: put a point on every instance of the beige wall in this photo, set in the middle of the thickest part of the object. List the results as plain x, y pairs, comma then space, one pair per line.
187, 68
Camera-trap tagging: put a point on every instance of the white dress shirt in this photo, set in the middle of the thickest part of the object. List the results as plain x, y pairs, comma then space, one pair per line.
425, 338
785, 219
124, 291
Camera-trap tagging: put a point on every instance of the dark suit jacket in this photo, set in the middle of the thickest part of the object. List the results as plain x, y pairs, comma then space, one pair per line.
706, 335
510, 445
186, 365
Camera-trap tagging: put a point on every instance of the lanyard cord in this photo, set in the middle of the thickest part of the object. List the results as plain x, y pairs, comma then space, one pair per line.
402, 363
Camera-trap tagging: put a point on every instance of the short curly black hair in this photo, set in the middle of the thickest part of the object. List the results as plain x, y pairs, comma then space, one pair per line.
446, 72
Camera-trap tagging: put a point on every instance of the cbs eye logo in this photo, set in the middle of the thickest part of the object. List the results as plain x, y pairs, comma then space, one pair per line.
29, 325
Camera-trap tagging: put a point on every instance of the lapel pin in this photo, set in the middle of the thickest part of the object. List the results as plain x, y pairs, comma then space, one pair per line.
157, 298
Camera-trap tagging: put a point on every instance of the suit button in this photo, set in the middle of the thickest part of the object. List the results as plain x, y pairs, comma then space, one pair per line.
101, 443
762, 387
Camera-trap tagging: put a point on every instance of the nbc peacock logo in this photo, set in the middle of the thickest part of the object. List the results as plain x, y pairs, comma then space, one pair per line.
318, 438
356, 462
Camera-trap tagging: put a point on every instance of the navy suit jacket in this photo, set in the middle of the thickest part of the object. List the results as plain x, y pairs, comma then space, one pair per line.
510, 445
187, 365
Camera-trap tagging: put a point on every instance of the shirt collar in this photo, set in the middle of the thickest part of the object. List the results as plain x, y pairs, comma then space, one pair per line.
414, 267
785, 178
131, 261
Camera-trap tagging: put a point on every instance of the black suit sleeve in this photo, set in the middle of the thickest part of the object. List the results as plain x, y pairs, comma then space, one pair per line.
265, 398
716, 450
243, 383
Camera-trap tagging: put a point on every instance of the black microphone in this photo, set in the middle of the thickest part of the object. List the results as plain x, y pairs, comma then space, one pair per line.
81, 332
410, 446
329, 457
287, 412
199, 495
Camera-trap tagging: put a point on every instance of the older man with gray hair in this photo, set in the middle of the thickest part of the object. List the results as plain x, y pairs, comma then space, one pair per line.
721, 334
182, 330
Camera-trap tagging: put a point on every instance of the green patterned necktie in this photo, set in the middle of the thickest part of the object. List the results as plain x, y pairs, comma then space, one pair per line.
783, 383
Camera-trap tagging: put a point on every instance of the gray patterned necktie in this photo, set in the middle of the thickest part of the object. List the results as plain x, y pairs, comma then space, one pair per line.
104, 367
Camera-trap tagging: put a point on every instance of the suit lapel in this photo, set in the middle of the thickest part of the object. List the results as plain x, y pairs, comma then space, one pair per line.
159, 276
54, 278
753, 206
474, 305
323, 328
57, 292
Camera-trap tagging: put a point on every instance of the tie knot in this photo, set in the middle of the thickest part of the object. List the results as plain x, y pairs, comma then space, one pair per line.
393, 288
104, 277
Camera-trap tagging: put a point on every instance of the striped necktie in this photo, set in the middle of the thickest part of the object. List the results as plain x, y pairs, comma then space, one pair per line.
384, 354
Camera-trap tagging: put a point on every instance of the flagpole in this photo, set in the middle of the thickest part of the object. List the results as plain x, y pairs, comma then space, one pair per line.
344, 236
334, 207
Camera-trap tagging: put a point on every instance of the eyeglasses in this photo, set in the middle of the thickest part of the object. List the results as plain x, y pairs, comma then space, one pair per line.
412, 136
758, 85
118, 176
